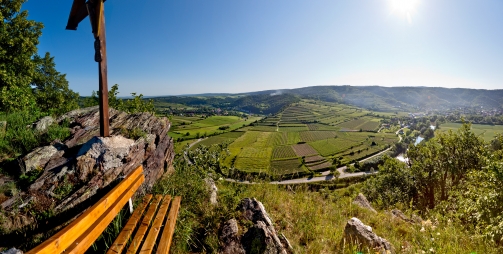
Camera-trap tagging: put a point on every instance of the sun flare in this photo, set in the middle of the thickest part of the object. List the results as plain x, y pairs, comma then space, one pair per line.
404, 7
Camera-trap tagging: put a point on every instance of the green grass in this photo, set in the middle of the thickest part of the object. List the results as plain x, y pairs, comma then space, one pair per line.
314, 221
487, 132
227, 137
346, 140
252, 152
197, 126
293, 138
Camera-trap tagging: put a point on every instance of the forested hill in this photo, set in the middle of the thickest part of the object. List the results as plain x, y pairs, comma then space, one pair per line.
371, 97
259, 103
389, 98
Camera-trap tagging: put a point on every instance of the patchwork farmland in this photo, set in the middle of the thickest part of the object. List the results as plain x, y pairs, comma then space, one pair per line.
303, 138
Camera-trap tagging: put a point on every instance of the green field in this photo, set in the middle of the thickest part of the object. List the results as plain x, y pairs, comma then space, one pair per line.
304, 137
487, 132
190, 127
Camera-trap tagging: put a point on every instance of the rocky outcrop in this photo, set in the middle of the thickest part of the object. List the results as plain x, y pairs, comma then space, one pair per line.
42, 124
401, 216
229, 237
360, 234
261, 237
212, 188
362, 202
73, 173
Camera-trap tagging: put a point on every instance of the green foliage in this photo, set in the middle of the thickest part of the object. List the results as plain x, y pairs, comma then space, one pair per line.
135, 105
197, 226
64, 188
30, 177
51, 87
134, 133
28, 81
20, 138
18, 44
394, 184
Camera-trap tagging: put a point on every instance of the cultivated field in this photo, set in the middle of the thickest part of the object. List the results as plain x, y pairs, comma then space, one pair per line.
487, 132
304, 137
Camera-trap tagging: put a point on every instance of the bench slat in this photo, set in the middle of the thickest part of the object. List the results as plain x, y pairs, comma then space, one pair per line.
92, 233
169, 227
153, 232
121, 241
64, 238
138, 237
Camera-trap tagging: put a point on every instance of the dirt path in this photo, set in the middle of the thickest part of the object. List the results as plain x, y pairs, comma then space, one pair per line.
190, 145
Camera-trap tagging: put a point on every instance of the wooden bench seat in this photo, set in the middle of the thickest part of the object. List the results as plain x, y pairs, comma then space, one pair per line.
79, 235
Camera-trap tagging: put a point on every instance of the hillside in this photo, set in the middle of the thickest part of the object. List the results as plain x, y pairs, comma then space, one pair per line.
369, 97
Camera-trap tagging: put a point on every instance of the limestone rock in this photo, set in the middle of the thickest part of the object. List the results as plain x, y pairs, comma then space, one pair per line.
362, 202
77, 171
38, 158
399, 215
229, 236
254, 211
42, 124
261, 237
213, 190
12, 251
358, 233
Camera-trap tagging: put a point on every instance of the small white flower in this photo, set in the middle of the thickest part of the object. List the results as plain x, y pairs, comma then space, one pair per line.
433, 239
432, 250
438, 233
422, 229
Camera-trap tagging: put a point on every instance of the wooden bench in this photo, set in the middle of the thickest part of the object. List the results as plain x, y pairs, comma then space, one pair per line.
80, 234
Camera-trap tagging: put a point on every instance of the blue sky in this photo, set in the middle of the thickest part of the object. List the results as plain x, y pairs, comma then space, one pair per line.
169, 47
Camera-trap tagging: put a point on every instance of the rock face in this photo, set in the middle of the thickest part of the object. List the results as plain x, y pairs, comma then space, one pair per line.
358, 233
74, 172
261, 237
362, 201
229, 236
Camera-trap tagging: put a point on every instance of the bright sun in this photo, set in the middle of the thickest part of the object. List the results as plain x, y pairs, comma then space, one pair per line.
404, 7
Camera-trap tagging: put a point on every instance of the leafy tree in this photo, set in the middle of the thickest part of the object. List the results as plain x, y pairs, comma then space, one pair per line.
134, 105
50, 87
394, 184
440, 164
18, 44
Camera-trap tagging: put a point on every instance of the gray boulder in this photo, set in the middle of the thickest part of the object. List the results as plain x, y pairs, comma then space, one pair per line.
399, 215
210, 183
229, 236
360, 234
260, 237
43, 123
362, 202
12, 251
37, 159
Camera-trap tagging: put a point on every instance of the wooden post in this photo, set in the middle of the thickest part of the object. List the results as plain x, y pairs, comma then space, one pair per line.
95, 9
103, 89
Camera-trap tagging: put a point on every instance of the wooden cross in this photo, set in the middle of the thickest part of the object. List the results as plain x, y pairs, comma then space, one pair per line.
95, 9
